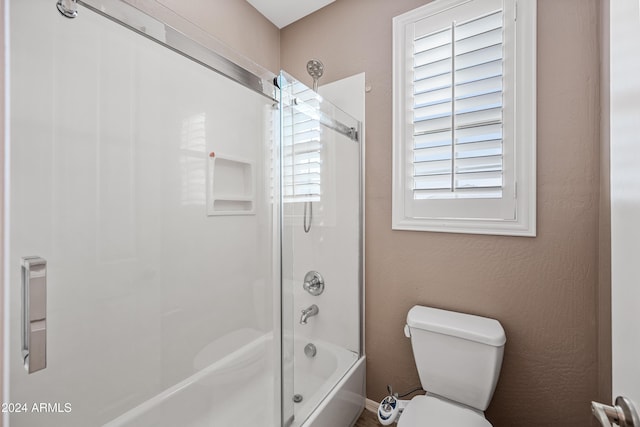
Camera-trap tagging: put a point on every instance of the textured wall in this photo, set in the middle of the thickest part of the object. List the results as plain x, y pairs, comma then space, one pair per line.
542, 289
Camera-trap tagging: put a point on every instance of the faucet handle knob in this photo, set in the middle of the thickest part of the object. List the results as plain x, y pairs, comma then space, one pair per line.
313, 283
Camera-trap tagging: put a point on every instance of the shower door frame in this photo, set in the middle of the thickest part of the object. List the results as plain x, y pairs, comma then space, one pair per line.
229, 64
4, 129
176, 34
329, 122
185, 39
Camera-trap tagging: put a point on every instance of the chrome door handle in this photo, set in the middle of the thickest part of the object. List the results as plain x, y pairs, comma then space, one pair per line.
34, 313
623, 413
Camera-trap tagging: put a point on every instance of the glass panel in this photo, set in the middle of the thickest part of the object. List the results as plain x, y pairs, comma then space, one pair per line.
143, 179
483, 71
478, 57
433, 69
434, 125
435, 139
481, 179
441, 81
432, 154
431, 112
480, 133
479, 87
429, 97
479, 149
437, 167
479, 164
430, 56
479, 118
479, 103
479, 26
479, 41
432, 41
433, 182
320, 235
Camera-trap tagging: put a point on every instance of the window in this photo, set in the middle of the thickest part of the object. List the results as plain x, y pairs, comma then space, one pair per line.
302, 144
302, 147
464, 117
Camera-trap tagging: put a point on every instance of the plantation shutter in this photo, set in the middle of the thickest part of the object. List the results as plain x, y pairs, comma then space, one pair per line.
464, 117
302, 149
457, 110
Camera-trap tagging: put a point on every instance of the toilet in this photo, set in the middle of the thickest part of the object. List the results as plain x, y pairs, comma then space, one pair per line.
458, 357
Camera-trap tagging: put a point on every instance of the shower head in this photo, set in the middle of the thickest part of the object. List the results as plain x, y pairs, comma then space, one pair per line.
315, 69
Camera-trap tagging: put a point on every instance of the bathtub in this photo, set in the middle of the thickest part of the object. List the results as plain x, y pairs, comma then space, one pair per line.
240, 389
344, 403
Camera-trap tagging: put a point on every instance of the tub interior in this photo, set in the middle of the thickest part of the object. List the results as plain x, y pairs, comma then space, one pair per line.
239, 388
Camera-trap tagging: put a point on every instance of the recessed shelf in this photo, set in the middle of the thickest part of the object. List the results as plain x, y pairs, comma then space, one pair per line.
234, 198
232, 207
231, 186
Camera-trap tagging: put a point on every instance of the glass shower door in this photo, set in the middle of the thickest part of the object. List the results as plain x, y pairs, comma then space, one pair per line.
141, 178
321, 248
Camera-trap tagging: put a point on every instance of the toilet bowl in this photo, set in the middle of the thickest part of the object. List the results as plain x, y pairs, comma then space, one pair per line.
433, 411
458, 357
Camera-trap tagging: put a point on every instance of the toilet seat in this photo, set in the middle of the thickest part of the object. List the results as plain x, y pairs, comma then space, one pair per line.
423, 411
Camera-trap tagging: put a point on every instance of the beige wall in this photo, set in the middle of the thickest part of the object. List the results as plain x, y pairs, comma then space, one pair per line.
542, 289
235, 23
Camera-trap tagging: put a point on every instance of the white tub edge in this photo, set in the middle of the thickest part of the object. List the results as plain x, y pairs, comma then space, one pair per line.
343, 406
128, 417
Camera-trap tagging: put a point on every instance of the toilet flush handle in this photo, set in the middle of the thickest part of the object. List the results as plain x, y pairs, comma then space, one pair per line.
407, 331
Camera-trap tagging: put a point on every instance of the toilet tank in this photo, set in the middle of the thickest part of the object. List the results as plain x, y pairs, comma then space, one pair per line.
458, 355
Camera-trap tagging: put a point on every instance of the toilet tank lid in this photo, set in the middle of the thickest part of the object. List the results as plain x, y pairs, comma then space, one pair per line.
466, 326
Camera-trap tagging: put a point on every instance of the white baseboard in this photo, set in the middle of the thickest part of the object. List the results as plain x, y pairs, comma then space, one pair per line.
371, 405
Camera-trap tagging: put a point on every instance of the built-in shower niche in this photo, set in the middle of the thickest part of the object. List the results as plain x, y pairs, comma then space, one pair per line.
231, 186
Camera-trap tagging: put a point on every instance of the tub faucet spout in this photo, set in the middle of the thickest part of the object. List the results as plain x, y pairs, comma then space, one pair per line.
308, 312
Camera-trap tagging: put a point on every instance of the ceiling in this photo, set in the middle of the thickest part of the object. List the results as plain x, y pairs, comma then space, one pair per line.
284, 12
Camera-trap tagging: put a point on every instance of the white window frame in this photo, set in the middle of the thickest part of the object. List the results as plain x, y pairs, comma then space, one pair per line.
519, 133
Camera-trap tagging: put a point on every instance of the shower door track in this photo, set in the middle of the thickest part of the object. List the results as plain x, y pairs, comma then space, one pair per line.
134, 19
